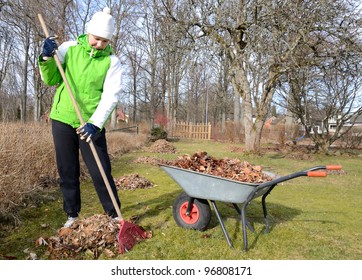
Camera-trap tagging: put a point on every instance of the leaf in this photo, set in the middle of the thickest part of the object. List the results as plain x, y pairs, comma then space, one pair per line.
41, 241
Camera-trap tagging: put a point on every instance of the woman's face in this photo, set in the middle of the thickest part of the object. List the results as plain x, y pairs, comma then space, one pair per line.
97, 42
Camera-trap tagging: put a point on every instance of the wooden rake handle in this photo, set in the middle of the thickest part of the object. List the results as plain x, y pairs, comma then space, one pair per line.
91, 144
61, 70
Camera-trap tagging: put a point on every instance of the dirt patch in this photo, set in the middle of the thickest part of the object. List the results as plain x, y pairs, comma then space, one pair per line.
151, 160
336, 172
236, 149
297, 152
299, 156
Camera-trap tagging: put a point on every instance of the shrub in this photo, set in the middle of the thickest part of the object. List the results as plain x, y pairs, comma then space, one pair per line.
352, 139
28, 166
157, 133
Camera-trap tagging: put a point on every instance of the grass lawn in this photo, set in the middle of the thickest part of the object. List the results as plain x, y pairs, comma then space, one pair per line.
310, 218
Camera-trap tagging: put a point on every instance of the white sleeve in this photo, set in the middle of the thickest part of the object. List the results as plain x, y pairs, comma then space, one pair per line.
110, 95
63, 48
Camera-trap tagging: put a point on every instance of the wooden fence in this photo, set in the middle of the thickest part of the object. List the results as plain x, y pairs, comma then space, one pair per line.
193, 131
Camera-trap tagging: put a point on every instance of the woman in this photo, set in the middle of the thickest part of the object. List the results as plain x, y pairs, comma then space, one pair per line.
94, 75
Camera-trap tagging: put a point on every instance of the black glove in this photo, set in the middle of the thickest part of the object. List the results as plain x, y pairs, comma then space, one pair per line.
49, 46
88, 130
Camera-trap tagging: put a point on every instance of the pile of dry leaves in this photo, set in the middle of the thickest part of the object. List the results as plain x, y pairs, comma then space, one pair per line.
132, 182
162, 146
227, 168
95, 235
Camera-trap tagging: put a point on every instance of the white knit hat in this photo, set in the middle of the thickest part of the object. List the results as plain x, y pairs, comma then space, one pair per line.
102, 24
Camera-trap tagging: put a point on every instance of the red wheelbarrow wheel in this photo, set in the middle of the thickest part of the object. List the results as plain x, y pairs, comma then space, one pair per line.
200, 214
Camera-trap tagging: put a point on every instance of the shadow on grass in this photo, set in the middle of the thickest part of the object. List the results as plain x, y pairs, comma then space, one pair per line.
254, 214
153, 207
277, 214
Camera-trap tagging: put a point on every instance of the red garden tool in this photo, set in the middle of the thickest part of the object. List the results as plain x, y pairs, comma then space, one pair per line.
129, 233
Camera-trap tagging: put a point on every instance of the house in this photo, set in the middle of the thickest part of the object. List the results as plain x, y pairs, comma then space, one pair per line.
121, 116
331, 124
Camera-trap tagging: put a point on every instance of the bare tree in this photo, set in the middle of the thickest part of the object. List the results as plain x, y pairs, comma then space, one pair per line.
325, 86
262, 40
6, 63
176, 58
20, 29
158, 68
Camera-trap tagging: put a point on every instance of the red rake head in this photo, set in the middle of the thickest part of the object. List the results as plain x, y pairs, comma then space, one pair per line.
129, 234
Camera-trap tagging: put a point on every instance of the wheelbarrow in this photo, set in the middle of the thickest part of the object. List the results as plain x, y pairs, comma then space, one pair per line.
191, 209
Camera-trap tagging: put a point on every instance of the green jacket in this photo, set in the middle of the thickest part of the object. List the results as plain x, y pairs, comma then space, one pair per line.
94, 77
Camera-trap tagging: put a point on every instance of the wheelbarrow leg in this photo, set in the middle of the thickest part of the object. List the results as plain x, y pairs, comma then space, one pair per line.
189, 206
265, 211
221, 223
248, 224
243, 218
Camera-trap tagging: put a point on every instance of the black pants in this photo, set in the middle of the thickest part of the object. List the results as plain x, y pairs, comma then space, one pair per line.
67, 146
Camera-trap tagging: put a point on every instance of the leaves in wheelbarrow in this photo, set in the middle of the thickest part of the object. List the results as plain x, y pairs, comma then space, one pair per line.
233, 169
94, 236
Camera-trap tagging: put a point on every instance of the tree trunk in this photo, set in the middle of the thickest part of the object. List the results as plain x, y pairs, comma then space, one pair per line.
241, 85
114, 118
24, 96
37, 108
134, 111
